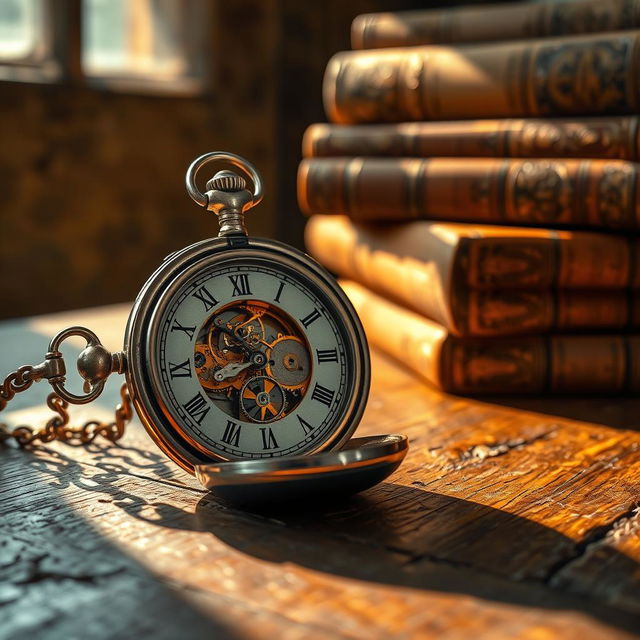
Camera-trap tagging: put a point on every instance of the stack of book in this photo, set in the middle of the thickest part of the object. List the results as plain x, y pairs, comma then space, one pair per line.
494, 255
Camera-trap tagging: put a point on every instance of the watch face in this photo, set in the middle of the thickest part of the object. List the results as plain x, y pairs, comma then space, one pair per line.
253, 354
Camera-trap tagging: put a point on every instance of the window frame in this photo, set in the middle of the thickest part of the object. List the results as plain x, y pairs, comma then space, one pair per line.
47, 63
59, 59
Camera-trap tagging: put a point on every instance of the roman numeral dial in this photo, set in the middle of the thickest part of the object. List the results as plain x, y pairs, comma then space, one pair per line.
306, 427
268, 438
308, 320
204, 295
254, 361
279, 293
188, 331
327, 355
231, 435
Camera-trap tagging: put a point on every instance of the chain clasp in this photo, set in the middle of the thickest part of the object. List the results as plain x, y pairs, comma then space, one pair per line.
95, 364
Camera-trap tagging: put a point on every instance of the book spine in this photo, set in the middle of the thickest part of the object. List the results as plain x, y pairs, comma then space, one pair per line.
513, 312
524, 365
472, 257
463, 312
555, 193
525, 78
578, 260
605, 138
505, 22
559, 364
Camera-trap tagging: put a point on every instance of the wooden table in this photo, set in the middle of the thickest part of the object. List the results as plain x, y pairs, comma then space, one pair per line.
501, 523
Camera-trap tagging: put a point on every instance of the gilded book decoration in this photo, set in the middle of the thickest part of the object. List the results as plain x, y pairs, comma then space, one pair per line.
606, 138
506, 21
579, 75
540, 192
571, 78
456, 275
559, 193
564, 363
468, 256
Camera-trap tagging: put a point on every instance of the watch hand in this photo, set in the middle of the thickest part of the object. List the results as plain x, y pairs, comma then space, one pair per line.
230, 370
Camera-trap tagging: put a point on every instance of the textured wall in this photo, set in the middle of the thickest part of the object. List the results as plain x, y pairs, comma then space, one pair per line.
91, 181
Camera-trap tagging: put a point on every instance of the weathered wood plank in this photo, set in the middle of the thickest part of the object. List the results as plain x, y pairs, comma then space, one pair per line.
501, 523
323, 578
567, 488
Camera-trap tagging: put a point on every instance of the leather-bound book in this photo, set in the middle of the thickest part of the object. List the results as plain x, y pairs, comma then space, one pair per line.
580, 75
599, 194
598, 364
513, 21
433, 269
600, 137
474, 256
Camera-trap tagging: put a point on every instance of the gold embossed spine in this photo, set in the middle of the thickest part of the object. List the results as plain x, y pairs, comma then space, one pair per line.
596, 138
602, 364
578, 75
596, 194
430, 286
510, 21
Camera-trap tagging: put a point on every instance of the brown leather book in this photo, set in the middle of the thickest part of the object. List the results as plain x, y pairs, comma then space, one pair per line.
513, 21
554, 193
420, 273
604, 137
583, 75
479, 257
523, 365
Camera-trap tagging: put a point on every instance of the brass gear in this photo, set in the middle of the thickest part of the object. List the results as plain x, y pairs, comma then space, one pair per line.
250, 329
262, 399
289, 362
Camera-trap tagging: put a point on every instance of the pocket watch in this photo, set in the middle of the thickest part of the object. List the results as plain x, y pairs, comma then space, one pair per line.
243, 358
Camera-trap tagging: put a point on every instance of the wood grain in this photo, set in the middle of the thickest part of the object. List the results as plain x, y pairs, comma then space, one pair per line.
501, 523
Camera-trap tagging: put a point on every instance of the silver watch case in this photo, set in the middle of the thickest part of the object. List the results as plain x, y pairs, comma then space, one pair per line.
143, 326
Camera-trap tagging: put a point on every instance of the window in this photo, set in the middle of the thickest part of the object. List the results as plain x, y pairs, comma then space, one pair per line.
25, 42
20, 29
140, 39
139, 45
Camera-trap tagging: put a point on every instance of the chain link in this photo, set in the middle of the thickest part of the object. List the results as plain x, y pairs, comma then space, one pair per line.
57, 427
15, 382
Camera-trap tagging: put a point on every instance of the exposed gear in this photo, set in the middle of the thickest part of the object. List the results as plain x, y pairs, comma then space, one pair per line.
262, 399
289, 362
246, 347
235, 330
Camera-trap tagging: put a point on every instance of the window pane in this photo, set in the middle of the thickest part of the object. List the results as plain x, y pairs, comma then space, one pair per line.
20, 26
144, 37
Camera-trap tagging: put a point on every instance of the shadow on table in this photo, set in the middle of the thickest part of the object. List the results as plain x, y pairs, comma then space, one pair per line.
392, 534
60, 578
409, 537
619, 412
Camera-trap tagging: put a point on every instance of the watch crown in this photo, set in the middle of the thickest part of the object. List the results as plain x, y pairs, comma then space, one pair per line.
226, 181
227, 194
